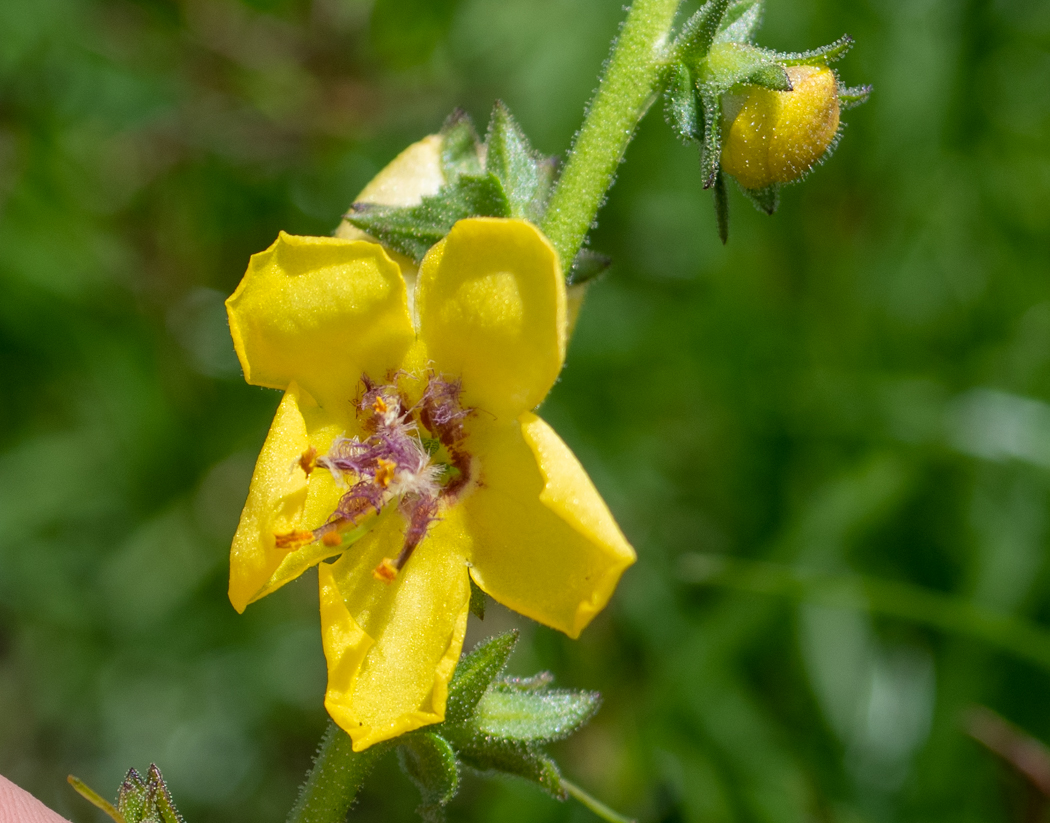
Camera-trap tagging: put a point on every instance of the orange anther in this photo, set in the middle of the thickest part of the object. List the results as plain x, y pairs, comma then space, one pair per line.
293, 540
386, 571
385, 472
380, 406
306, 460
332, 539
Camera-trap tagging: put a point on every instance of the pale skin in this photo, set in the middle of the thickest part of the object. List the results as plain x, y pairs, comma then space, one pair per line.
18, 806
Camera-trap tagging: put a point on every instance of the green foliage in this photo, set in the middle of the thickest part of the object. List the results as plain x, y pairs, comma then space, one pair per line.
855, 390
494, 726
514, 181
139, 799
474, 673
429, 761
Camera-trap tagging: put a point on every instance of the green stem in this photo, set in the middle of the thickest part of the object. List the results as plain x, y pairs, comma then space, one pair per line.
594, 804
624, 94
333, 782
946, 612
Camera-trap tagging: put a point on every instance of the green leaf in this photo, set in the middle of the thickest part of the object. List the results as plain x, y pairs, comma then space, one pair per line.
741, 21
459, 147
510, 157
534, 715
721, 207
493, 754
412, 231
681, 108
818, 57
474, 674
161, 797
586, 266
766, 199
133, 800
478, 599
429, 761
699, 32
852, 96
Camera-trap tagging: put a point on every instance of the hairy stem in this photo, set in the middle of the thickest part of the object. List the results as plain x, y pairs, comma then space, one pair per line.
626, 90
333, 782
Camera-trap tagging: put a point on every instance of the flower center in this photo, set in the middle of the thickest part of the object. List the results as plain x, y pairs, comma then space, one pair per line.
410, 454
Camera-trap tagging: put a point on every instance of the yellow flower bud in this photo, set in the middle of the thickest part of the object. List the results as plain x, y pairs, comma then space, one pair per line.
776, 136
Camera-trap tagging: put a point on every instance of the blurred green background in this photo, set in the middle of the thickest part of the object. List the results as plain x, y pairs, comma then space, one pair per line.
857, 387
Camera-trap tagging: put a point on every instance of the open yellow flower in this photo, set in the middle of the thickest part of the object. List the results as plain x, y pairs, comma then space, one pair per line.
406, 443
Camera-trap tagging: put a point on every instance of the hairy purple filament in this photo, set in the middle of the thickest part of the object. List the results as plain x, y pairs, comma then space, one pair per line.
395, 461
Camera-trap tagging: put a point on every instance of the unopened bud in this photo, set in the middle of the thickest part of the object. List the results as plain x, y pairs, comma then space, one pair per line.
776, 136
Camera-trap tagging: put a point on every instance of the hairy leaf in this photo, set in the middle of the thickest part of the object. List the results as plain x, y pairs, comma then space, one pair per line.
699, 32
741, 21
474, 674
493, 754
412, 231
459, 147
429, 761
681, 107
533, 715
818, 57
586, 266
510, 157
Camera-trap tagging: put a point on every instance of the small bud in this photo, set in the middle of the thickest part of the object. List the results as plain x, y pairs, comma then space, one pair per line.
776, 136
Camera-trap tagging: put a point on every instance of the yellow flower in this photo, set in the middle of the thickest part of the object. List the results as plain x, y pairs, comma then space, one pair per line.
776, 136
406, 443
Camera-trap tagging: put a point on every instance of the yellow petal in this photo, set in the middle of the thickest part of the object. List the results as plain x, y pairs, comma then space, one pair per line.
545, 543
492, 310
322, 312
392, 647
282, 499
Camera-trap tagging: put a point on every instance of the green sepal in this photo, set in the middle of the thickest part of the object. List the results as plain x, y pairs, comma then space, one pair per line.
711, 149
721, 207
681, 107
412, 231
765, 200
430, 763
852, 96
533, 714
460, 147
478, 599
538, 681
740, 22
510, 157
586, 266
699, 32
475, 673
818, 57
489, 755
770, 76
730, 64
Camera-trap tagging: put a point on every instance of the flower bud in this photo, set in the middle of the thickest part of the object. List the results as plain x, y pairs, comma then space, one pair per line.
776, 136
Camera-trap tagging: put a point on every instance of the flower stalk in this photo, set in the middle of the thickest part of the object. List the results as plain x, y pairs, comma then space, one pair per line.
337, 775
626, 90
